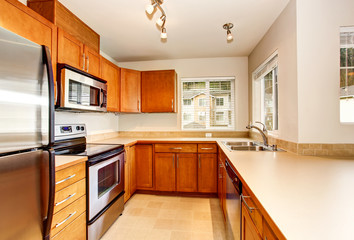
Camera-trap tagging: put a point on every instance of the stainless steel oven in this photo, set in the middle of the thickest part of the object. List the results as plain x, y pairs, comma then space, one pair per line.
78, 90
104, 176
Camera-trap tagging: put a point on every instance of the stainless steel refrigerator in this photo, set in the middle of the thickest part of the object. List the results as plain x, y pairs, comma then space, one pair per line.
26, 136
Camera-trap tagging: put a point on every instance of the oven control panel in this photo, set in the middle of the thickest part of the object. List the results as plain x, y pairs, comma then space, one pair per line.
68, 131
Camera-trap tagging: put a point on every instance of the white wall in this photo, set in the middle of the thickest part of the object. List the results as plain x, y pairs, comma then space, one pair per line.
318, 25
282, 37
95, 122
204, 67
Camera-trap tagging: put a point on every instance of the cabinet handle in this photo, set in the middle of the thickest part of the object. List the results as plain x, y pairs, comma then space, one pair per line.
244, 201
138, 105
177, 161
65, 179
88, 63
172, 105
83, 61
199, 161
207, 148
66, 219
66, 199
173, 161
176, 148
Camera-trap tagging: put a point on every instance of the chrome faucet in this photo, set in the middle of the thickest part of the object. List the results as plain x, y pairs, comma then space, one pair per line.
262, 132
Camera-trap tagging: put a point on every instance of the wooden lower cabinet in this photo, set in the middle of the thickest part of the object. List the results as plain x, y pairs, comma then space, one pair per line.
144, 167
74, 231
268, 234
186, 172
129, 173
165, 172
207, 173
248, 230
222, 181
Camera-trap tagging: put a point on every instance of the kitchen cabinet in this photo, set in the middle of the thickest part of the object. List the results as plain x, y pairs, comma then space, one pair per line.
73, 52
248, 228
111, 73
207, 172
130, 91
129, 173
69, 219
186, 172
222, 181
165, 172
268, 234
144, 167
158, 91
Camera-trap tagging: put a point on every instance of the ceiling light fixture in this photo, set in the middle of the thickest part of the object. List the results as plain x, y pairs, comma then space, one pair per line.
162, 20
227, 27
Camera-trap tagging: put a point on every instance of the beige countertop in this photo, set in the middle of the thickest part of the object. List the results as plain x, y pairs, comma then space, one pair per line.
62, 162
306, 197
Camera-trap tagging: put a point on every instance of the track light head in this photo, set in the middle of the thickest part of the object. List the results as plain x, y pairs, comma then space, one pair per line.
161, 20
150, 8
163, 33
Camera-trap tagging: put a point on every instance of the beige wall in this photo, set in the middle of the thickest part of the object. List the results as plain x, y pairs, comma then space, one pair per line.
281, 37
318, 25
206, 67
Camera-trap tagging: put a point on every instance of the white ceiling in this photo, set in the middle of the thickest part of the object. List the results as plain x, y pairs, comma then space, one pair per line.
194, 27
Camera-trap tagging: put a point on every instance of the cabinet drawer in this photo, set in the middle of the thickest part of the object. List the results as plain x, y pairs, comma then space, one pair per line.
175, 147
69, 194
67, 176
73, 231
253, 211
68, 215
207, 148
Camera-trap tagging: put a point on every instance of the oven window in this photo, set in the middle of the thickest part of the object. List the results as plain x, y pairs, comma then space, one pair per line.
108, 177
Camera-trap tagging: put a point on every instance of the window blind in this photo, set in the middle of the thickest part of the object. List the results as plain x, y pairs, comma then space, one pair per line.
208, 103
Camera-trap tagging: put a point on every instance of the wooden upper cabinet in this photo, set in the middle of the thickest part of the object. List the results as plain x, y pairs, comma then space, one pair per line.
165, 172
207, 173
158, 91
144, 167
111, 73
130, 90
62, 17
70, 50
186, 171
92, 61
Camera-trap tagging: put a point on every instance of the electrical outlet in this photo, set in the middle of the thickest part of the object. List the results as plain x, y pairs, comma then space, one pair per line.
208, 135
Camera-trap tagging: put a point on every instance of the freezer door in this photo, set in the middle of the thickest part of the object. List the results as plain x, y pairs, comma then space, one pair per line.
24, 94
25, 194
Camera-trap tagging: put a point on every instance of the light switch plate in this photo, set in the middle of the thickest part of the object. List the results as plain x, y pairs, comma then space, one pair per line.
208, 135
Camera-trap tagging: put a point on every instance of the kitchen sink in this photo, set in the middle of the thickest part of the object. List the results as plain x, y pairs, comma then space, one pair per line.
250, 146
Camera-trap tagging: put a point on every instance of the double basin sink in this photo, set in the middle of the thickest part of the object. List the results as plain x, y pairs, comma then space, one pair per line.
249, 146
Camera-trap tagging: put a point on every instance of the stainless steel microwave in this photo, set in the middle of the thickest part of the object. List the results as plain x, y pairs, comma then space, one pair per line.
80, 91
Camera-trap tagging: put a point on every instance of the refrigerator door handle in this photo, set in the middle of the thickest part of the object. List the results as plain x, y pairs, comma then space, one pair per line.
48, 62
48, 221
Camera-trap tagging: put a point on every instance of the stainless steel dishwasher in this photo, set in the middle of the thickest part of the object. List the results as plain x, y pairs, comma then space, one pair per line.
233, 204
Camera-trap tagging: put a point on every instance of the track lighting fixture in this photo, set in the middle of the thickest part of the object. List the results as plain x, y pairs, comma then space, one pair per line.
227, 27
162, 20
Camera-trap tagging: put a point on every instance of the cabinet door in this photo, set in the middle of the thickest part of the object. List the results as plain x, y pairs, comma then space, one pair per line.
186, 170
143, 166
92, 61
268, 234
111, 73
207, 173
248, 229
70, 50
126, 175
130, 90
132, 171
165, 172
158, 91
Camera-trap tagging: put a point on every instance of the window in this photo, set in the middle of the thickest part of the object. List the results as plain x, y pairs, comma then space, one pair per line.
202, 102
347, 74
265, 93
219, 101
187, 102
187, 117
214, 103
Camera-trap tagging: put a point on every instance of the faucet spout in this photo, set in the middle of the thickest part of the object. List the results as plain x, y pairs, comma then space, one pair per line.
264, 136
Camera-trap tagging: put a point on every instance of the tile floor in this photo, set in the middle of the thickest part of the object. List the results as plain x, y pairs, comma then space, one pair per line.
152, 217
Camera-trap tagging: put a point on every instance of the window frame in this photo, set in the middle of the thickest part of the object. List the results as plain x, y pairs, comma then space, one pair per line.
231, 103
269, 65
